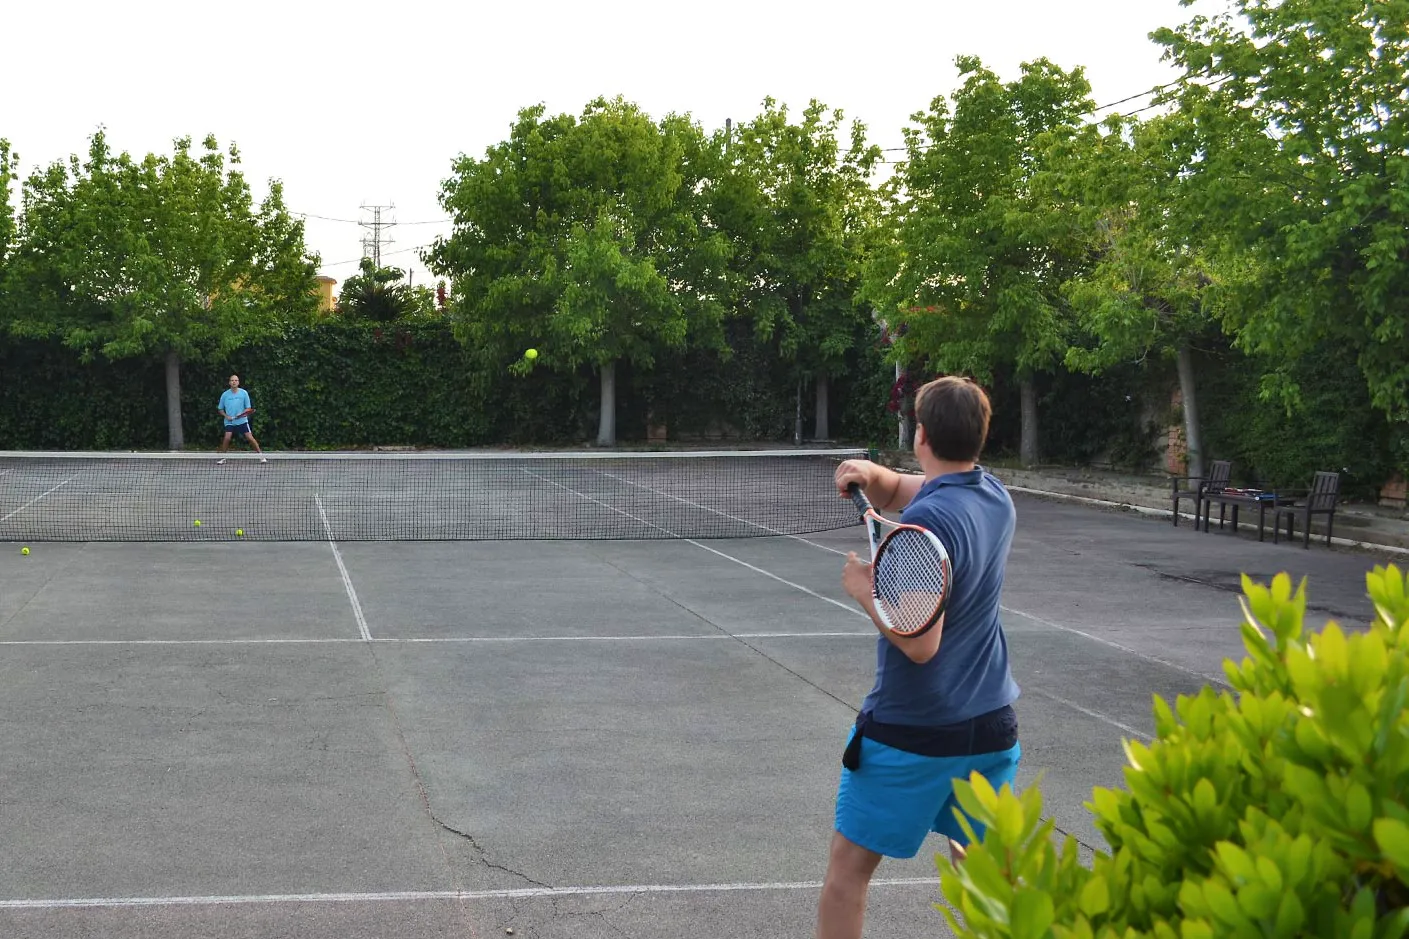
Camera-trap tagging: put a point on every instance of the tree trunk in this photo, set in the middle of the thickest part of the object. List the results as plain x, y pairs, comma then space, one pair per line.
820, 428
903, 442
1193, 442
1027, 448
175, 437
606, 422
797, 414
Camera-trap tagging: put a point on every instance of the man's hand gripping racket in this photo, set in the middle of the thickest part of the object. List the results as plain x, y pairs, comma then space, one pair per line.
911, 572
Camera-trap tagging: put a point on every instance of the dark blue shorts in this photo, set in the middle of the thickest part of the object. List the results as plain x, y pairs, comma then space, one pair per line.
240, 430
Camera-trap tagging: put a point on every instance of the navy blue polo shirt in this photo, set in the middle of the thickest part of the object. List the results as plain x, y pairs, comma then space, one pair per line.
973, 515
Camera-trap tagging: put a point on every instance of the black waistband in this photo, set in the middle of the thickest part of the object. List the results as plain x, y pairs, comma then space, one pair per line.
988, 733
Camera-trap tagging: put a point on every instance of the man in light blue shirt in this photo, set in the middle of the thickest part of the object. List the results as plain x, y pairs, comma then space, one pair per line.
235, 408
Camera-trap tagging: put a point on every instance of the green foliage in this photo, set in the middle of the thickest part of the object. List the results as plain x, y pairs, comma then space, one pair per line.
1140, 297
378, 295
1087, 419
1270, 812
167, 254
345, 383
796, 207
1296, 144
584, 238
48, 400
1332, 427
9, 164
978, 253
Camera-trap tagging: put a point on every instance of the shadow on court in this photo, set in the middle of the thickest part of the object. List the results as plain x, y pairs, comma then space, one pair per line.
564, 739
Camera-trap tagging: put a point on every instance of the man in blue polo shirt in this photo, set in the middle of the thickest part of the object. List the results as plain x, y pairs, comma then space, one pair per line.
235, 408
941, 706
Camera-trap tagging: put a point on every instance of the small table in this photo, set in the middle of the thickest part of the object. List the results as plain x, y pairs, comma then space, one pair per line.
1240, 497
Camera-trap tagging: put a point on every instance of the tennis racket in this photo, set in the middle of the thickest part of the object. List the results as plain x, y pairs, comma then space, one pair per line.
911, 573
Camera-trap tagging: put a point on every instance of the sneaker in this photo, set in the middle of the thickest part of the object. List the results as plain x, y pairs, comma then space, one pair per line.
220, 462
263, 460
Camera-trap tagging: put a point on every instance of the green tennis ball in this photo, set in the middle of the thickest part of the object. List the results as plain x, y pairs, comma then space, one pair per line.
24, 551
531, 354
239, 532
197, 523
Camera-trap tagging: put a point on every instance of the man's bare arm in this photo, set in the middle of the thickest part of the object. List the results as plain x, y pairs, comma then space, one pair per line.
887, 489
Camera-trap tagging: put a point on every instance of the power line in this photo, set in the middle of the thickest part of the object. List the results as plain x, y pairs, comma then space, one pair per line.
353, 221
386, 254
1149, 91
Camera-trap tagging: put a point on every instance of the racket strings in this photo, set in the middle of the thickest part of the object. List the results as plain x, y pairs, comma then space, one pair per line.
911, 581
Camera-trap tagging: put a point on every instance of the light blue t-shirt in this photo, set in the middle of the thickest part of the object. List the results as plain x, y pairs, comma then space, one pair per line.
973, 515
234, 403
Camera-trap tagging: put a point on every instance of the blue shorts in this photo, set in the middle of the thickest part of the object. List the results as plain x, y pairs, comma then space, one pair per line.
241, 430
896, 798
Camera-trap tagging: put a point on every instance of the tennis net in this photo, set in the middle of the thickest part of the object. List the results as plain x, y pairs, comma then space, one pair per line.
414, 496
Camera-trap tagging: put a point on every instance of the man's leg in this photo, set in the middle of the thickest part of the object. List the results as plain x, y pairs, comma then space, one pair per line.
254, 443
224, 446
842, 908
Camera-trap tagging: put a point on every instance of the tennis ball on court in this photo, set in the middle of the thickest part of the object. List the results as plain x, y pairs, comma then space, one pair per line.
531, 354
24, 551
239, 532
197, 523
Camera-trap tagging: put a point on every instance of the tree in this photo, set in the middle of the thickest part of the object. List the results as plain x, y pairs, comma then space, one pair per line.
378, 294
978, 256
165, 257
585, 239
1141, 297
796, 205
1296, 133
9, 164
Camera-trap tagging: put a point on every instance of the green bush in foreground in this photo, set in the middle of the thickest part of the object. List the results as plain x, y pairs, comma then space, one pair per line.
1275, 810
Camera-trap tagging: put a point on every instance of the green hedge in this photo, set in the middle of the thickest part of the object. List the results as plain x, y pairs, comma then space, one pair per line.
340, 384
1273, 810
1335, 429
50, 401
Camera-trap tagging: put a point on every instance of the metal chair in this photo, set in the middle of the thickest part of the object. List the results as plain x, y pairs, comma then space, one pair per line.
1215, 481
1320, 499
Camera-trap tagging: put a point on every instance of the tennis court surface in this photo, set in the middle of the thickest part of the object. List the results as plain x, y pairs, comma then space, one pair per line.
630, 734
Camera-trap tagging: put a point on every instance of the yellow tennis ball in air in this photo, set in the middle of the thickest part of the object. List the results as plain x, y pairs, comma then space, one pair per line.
24, 551
239, 532
197, 523
531, 354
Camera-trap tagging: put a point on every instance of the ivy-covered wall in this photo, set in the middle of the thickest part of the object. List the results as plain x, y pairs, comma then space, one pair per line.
341, 385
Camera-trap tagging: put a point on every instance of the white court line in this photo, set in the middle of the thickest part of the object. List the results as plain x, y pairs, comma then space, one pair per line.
432, 640
346, 578
771, 531
36, 499
727, 557
169, 642
668, 638
1194, 673
1090, 713
850, 609
525, 893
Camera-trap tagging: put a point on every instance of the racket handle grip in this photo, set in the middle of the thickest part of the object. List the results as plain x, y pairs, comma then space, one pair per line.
858, 498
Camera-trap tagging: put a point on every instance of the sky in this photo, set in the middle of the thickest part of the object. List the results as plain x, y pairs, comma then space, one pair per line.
356, 104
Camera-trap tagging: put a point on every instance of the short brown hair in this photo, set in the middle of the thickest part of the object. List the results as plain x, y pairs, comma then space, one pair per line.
954, 412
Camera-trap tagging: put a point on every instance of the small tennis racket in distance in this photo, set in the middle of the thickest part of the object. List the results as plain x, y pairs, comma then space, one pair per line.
911, 572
